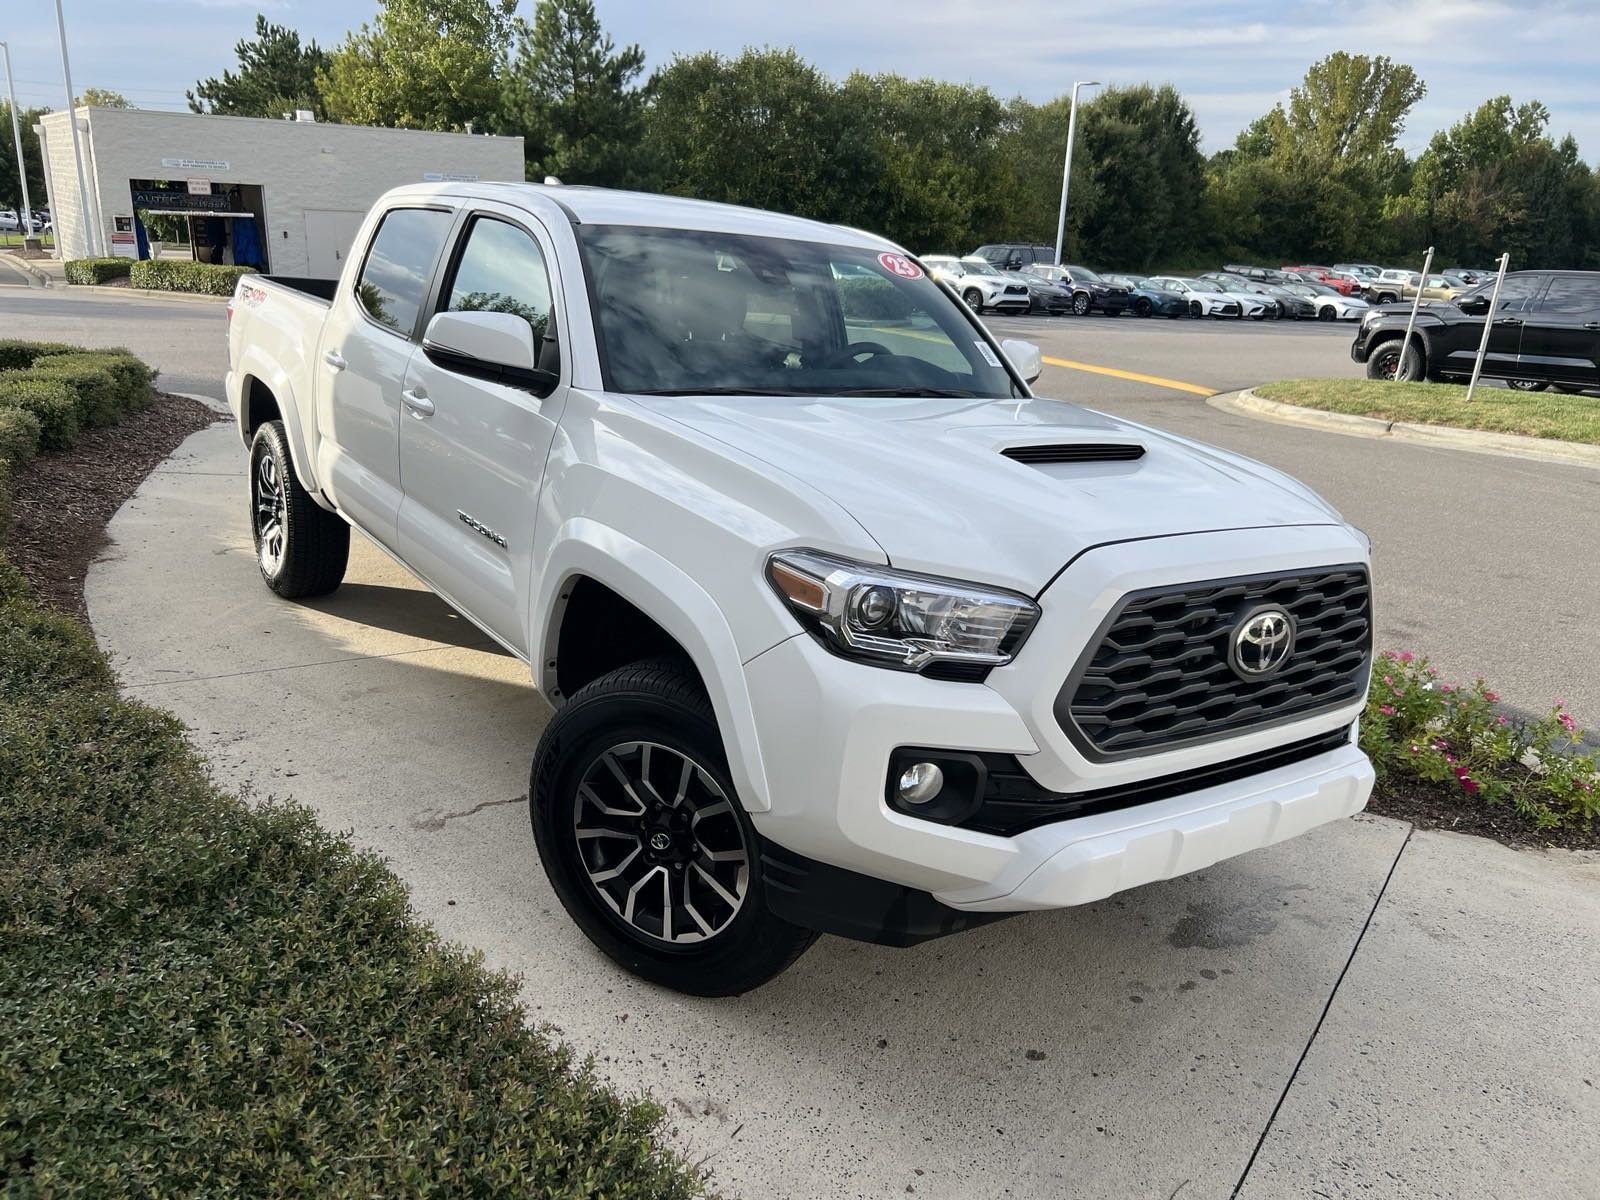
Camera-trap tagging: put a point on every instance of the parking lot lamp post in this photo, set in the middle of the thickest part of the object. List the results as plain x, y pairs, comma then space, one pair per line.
1066, 168
16, 135
84, 215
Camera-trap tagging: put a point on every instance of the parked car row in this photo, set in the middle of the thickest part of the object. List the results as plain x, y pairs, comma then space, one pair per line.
11, 221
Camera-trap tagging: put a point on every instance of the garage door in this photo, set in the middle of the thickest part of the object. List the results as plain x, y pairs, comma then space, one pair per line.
329, 233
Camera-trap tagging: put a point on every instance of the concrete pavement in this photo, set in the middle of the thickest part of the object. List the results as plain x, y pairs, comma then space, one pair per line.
1136, 1047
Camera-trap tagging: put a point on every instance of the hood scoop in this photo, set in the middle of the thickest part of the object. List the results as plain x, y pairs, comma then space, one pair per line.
1075, 452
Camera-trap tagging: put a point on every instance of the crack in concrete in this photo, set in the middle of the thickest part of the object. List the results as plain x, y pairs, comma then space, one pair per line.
431, 820
1322, 1016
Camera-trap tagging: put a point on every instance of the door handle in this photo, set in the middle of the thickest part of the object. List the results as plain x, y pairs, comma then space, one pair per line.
334, 359
1591, 324
1509, 321
417, 401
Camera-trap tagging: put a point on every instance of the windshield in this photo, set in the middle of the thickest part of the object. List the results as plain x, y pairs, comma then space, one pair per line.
698, 313
1084, 274
978, 266
1046, 271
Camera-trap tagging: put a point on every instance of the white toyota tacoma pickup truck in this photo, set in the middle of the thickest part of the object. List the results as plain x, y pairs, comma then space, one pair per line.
845, 629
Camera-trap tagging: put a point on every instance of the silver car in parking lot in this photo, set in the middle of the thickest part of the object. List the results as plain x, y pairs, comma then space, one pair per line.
978, 283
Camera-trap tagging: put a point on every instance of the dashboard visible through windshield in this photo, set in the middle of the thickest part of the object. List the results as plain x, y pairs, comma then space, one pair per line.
693, 312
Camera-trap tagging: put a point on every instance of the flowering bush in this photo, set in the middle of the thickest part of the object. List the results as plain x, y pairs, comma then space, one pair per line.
1419, 726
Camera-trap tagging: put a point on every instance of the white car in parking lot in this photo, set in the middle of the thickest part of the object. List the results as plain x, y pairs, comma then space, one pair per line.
845, 629
978, 283
1331, 304
1205, 300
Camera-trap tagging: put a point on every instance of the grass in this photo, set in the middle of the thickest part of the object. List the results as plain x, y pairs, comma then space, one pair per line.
15, 239
1498, 410
204, 997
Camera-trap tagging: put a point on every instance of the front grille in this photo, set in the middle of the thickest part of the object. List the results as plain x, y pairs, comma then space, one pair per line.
1157, 675
1229, 310
1016, 289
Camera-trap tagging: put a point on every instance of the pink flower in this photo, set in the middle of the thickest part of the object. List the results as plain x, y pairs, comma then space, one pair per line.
1461, 772
1449, 758
1469, 784
1388, 654
1488, 695
1386, 709
1501, 720
1389, 680
1433, 672
1416, 749
1567, 722
1446, 688
1560, 703
1406, 656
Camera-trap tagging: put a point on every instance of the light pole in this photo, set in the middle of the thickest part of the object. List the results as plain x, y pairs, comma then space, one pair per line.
93, 235
16, 135
1066, 169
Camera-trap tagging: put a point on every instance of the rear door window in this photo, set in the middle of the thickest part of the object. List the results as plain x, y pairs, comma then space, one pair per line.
399, 267
1572, 295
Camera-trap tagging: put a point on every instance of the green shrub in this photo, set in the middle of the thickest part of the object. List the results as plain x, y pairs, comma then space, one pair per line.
19, 435
16, 355
130, 382
181, 275
52, 402
1419, 726
870, 298
96, 270
93, 386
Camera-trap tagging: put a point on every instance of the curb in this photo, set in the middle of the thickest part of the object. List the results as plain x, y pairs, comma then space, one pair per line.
36, 277
1477, 441
144, 293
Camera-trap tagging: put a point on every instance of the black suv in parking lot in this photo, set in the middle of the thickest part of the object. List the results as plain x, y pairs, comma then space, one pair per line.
1545, 330
1014, 256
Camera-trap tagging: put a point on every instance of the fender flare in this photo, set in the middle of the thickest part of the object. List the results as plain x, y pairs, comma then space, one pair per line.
658, 588
254, 365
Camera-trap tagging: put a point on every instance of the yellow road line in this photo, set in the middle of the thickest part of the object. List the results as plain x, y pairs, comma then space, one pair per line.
1176, 385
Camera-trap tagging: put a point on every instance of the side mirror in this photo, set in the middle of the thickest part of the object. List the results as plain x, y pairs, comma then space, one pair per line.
1473, 304
496, 346
1024, 357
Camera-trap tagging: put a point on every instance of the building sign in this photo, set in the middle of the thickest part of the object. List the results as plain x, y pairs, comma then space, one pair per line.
155, 198
195, 164
448, 177
199, 187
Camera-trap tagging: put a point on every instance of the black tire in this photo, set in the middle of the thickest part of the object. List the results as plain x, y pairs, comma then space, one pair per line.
301, 548
1528, 385
1385, 363
973, 299
1142, 307
1196, 309
657, 704
1386, 298
1327, 313
1081, 303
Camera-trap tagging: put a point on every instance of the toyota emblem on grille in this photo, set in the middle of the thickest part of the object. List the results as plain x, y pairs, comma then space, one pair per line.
1261, 643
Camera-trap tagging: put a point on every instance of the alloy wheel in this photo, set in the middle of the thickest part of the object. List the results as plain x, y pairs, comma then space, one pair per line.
659, 842
270, 510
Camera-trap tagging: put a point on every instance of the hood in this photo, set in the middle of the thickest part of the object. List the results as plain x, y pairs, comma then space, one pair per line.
927, 480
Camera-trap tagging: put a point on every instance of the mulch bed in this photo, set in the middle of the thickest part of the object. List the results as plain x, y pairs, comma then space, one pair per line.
61, 502
1434, 806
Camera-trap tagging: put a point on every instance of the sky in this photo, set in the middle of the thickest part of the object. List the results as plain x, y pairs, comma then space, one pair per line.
1232, 59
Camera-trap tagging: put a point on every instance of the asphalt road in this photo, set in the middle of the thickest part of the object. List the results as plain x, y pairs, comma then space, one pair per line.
1486, 564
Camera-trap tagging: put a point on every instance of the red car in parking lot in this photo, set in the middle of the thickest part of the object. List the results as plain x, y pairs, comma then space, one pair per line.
1342, 284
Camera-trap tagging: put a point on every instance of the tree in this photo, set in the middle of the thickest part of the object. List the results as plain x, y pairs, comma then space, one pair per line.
102, 98
572, 96
422, 64
276, 75
1351, 109
10, 186
765, 129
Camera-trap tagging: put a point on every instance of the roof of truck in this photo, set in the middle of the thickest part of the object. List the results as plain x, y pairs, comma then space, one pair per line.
610, 206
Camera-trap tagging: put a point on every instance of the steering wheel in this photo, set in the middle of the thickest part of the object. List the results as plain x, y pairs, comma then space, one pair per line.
853, 350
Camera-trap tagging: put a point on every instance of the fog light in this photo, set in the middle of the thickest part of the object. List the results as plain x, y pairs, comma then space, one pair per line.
920, 783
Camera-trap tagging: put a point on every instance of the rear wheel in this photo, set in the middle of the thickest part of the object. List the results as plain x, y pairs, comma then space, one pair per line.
1385, 363
301, 548
644, 840
1528, 385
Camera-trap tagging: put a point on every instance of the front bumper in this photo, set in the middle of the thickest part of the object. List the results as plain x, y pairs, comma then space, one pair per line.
828, 727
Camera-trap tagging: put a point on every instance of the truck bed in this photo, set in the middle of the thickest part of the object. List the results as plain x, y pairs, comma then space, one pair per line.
317, 289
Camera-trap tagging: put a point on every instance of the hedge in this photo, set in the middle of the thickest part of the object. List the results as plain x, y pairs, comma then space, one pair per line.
96, 270
200, 997
873, 298
51, 402
17, 355
108, 384
181, 275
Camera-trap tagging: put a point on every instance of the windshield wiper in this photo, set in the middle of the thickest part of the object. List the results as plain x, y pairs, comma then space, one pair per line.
930, 393
725, 391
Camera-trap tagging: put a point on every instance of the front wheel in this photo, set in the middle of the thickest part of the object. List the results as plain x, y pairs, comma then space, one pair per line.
974, 299
1080, 303
1141, 307
1385, 363
1196, 309
302, 549
1528, 385
1327, 313
644, 840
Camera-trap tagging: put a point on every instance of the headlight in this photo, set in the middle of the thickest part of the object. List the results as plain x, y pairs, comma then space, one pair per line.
896, 619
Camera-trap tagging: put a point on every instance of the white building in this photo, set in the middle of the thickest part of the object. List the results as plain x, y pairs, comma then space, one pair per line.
301, 186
